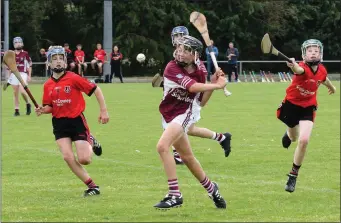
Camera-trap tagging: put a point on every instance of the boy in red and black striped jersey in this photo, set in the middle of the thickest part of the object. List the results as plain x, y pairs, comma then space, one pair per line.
63, 98
299, 106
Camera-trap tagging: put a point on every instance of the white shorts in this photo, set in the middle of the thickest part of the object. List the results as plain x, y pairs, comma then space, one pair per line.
185, 120
196, 113
13, 80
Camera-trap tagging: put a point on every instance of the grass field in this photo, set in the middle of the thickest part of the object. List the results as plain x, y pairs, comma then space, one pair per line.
38, 186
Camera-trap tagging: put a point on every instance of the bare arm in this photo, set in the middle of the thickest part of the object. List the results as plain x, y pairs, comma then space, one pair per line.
206, 96
297, 69
100, 98
199, 87
329, 85
103, 114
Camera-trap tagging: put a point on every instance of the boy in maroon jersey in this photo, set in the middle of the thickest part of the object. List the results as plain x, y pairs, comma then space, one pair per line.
298, 108
184, 80
63, 98
24, 65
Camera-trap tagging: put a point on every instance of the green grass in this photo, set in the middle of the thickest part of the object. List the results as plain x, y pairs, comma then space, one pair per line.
38, 186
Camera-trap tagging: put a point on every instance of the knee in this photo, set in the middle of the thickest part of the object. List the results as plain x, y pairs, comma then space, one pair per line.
84, 161
188, 158
161, 147
303, 141
69, 158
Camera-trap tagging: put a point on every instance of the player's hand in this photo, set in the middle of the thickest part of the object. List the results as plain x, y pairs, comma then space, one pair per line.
103, 117
28, 78
39, 110
221, 81
292, 64
331, 90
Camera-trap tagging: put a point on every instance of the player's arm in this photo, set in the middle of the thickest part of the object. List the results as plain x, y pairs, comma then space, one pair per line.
207, 94
295, 67
46, 108
329, 85
200, 87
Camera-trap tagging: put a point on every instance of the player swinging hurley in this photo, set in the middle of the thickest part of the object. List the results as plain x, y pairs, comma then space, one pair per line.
299, 106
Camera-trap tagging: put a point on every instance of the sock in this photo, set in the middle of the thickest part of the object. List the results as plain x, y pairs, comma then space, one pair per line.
218, 137
176, 154
173, 187
295, 169
90, 183
208, 185
16, 110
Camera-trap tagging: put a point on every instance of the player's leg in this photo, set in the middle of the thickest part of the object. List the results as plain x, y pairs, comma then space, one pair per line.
288, 114
65, 147
305, 129
93, 63
174, 198
182, 145
79, 69
229, 72
290, 135
85, 67
16, 99
119, 73
224, 139
84, 154
100, 64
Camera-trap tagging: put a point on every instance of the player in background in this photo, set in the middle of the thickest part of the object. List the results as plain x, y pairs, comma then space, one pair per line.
99, 58
177, 32
184, 81
224, 139
24, 65
79, 58
63, 98
298, 108
69, 57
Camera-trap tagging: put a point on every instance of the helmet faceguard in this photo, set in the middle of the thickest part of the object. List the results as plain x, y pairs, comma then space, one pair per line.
178, 30
309, 43
192, 45
18, 43
56, 50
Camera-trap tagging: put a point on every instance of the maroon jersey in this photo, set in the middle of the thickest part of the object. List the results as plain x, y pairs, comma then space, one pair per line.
23, 61
302, 91
177, 99
64, 95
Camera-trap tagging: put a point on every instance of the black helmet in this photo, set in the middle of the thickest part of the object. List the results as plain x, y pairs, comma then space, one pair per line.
191, 42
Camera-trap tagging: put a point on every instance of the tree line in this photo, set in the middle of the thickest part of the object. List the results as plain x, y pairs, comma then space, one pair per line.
145, 25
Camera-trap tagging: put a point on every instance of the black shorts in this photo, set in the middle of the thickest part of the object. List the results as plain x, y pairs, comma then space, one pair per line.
74, 128
292, 114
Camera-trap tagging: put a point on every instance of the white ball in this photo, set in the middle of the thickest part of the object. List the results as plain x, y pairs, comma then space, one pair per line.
140, 57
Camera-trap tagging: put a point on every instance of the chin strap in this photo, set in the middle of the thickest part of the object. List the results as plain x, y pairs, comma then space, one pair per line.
313, 63
58, 70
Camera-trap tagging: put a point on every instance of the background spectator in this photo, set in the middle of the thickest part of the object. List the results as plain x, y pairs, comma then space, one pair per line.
79, 59
232, 56
210, 66
69, 56
99, 59
115, 62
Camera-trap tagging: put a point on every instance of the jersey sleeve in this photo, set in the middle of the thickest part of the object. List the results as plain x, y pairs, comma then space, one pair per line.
47, 96
28, 58
84, 85
175, 74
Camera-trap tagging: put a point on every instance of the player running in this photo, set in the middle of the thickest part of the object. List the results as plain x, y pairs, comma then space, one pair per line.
298, 108
224, 139
24, 64
63, 98
183, 83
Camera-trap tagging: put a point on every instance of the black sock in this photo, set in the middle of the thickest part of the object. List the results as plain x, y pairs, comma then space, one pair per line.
294, 169
16, 110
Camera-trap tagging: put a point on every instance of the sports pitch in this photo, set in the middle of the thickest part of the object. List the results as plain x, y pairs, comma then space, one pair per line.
37, 185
